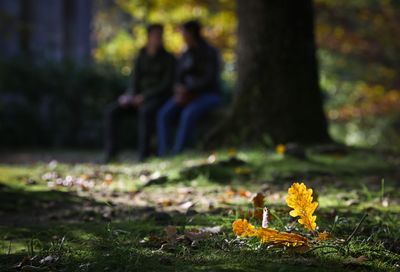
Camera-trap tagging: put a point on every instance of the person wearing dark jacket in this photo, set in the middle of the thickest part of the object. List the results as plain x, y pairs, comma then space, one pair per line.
196, 91
154, 75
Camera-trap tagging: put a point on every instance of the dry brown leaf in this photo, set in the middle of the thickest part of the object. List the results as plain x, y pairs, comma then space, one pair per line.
258, 204
108, 179
195, 235
171, 234
202, 233
323, 236
244, 193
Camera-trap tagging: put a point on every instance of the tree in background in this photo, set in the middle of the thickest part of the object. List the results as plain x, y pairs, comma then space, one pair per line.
278, 87
359, 55
357, 49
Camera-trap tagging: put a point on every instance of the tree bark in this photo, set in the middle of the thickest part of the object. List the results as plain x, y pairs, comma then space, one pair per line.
278, 91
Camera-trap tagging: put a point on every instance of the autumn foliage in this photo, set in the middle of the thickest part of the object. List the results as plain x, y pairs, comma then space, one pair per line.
300, 199
243, 228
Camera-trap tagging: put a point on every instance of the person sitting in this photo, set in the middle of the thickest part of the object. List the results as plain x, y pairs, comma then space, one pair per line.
196, 92
154, 75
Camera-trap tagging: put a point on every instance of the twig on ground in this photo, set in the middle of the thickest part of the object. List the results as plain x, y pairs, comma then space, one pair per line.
355, 229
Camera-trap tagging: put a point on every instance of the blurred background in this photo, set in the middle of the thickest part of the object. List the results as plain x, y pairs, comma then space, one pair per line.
63, 61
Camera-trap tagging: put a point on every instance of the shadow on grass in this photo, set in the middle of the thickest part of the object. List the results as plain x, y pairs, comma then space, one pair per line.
117, 246
18, 206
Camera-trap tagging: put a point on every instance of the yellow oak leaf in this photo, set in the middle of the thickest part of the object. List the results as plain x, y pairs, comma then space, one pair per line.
241, 227
277, 238
300, 199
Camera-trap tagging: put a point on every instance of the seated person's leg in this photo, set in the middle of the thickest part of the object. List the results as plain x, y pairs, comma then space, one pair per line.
164, 118
113, 114
147, 115
189, 116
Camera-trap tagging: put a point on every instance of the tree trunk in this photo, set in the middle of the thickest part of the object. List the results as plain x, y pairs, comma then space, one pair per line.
278, 90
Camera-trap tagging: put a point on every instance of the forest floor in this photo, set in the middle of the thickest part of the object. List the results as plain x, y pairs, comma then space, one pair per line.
177, 214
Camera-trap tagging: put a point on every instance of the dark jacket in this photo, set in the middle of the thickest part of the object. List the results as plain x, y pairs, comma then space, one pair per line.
199, 69
154, 75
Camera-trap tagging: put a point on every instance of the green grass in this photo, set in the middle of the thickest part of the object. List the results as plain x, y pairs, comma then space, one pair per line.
118, 222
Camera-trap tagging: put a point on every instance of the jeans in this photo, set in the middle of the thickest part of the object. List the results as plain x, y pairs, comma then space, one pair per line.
189, 114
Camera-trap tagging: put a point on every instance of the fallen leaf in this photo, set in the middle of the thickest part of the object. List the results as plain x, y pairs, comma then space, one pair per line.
25, 260
244, 193
242, 228
171, 234
385, 202
153, 241
212, 158
108, 179
280, 149
301, 201
195, 235
258, 204
154, 179
230, 193
166, 202
212, 230
184, 207
323, 236
274, 237
49, 259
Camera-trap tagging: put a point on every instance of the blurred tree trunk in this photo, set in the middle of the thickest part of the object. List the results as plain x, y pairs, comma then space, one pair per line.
278, 90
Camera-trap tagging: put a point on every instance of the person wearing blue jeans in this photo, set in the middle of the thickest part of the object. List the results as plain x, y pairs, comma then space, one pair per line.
196, 92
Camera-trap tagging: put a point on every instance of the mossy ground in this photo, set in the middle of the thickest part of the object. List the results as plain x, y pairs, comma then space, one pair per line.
116, 221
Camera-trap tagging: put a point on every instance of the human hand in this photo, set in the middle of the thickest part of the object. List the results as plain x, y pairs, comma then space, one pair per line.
180, 89
180, 94
125, 100
138, 100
